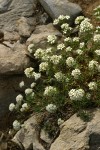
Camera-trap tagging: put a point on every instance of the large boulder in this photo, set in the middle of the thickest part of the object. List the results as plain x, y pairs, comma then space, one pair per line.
55, 8
12, 10
79, 135
13, 60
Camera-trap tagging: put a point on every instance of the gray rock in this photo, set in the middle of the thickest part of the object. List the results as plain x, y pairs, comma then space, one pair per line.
12, 10
79, 135
13, 60
61, 7
39, 36
28, 136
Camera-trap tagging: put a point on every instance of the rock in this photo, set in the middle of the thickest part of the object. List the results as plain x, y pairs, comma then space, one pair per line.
39, 36
28, 136
45, 136
61, 7
13, 60
12, 37
79, 135
24, 28
12, 10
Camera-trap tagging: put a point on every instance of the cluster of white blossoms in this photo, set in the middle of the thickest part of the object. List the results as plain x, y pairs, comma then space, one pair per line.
82, 44
76, 39
60, 121
59, 76
60, 19
33, 85
19, 99
61, 46
51, 39
67, 40
97, 52
16, 125
79, 19
50, 91
31, 48
85, 26
76, 73
24, 108
39, 53
76, 94
43, 66
36, 75
29, 72
93, 65
28, 91
70, 61
65, 28
96, 38
79, 51
12, 107
68, 49
55, 59
51, 108
21, 84
92, 85
97, 30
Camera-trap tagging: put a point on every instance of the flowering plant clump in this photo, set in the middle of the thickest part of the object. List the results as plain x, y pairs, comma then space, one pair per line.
68, 70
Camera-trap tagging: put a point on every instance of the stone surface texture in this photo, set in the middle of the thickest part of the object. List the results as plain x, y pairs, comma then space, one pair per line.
79, 135
55, 8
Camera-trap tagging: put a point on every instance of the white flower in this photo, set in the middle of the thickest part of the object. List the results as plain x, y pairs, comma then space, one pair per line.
19, 99
66, 28
51, 39
30, 48
92, 85
61, 46
11, 106
61, 17
56, 22
97, 52
39, 53
68, 49
76, 39
85, 26
82, 45
29, 72
76, 94
36, 75
76, 73
21, 84
79, 51
16, 125
24, 107
60, 121
33, 85
28, 91
48, 50
68, 39
55, 59
96, 38
93, 64
43, 66
59, 76
51, 108
79, 19
50, 90
70, 61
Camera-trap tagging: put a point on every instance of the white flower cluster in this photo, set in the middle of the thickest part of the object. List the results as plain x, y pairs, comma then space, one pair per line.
61, 46
51, 108
82, 44
21, 84
31, 48
24, 108
92, 85
97, 52
59, 76
79, 51
16, 125
33, 85
68, 49
76, 73
28, 91
76, 39
93, 65
67, 40
60, 19
19, 99
60, 121
76, 94
50, 90
36, 75
39, 53
55, 59
96, 38
85, 26
70, 61
12, 107
79, 19
51, 39
43, 66
66, 28
29, 72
